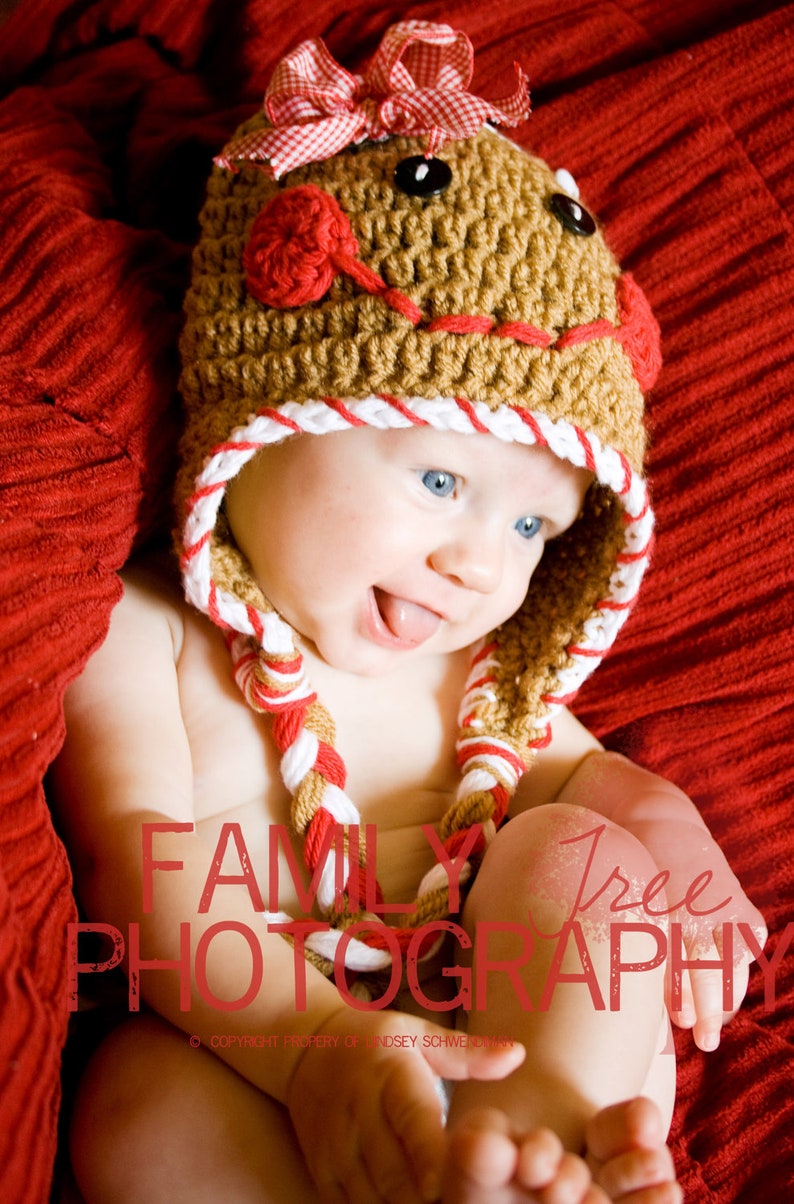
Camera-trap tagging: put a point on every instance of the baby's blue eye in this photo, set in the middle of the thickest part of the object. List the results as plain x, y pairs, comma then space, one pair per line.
528, 528
439, 483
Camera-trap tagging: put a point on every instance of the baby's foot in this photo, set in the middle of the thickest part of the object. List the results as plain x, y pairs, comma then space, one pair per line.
627, 1154
487, 1163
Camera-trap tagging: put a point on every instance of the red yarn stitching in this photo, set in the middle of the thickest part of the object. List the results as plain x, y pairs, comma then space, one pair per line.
626, 474
530, 420
212, 606
468, 410
600, 329
633, 557
277, 416
558, 699
231, 446
402, 408
195, 548
371, 282
302, 240
403, 937
589, 458
484, 652
205, 491
462, 324
340, 408
522, 332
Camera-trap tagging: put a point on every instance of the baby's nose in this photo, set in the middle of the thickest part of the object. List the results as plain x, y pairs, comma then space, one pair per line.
474, 558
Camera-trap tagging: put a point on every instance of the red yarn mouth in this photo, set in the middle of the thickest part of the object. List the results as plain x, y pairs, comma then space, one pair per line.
302, 240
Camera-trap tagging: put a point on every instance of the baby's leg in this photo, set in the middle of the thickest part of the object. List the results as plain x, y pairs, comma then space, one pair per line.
582, 1056
156, 1120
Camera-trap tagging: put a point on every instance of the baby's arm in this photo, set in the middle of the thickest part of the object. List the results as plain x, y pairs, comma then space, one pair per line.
699, 888
127, 762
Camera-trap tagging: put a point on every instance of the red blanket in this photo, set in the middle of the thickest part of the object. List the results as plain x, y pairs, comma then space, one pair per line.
675, 117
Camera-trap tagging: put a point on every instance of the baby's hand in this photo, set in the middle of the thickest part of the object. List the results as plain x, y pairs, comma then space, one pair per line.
366, 1111
709, 919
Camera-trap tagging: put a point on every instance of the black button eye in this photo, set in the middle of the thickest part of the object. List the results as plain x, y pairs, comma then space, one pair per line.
572, 215
419, 176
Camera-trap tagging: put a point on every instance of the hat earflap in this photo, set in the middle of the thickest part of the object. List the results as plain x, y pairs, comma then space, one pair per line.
269, 667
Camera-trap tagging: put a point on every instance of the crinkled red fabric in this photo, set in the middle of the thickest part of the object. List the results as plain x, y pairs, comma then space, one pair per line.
675, 116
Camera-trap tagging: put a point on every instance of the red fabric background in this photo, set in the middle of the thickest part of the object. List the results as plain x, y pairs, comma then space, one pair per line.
675, 117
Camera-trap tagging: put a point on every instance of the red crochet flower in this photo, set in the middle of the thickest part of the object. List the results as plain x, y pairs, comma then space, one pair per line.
297, 245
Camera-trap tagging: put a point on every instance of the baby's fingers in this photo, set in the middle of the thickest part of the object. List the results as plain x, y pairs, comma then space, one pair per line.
708, 988
412, 1109
456, 1056
711, 996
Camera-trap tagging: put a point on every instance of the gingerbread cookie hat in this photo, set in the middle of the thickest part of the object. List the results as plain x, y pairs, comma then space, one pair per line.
373, 254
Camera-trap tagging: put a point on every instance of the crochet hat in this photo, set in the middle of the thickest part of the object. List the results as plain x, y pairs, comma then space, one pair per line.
372, 254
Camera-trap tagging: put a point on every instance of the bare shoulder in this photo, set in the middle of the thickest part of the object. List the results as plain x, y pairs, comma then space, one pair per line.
571, 743
152, 608
126, 749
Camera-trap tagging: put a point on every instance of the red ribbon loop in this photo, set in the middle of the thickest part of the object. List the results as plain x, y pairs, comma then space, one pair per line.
416, 84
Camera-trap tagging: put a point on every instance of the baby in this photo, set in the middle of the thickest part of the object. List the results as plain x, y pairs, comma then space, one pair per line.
414, 512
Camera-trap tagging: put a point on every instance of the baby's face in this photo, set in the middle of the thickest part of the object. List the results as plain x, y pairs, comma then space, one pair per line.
381, 545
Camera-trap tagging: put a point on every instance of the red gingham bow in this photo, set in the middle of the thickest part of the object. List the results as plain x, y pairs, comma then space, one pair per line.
416, 84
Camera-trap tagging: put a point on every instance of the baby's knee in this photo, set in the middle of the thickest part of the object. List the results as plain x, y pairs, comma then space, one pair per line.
142, 1115
158, 1120
563, 859
113, 1124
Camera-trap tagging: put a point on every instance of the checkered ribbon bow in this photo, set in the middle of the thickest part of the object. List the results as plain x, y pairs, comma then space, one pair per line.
416, 84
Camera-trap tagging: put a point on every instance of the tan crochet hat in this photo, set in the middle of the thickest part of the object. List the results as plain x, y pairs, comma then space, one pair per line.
376, 284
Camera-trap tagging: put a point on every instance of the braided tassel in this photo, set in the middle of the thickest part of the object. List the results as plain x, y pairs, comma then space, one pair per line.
314, 773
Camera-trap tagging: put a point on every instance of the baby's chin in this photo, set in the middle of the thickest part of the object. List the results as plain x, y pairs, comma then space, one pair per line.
373, 663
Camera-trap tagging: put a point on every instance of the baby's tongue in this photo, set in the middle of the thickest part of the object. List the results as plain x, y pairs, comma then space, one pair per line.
406, 620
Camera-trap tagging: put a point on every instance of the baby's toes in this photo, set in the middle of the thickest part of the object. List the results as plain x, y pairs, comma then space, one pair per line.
481, 1157
641, 1177
621, 1128
540, 1154
548, 1174
627, 1154
569, 1182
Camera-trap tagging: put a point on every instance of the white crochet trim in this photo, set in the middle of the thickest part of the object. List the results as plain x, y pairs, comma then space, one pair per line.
384, 413
316, 417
